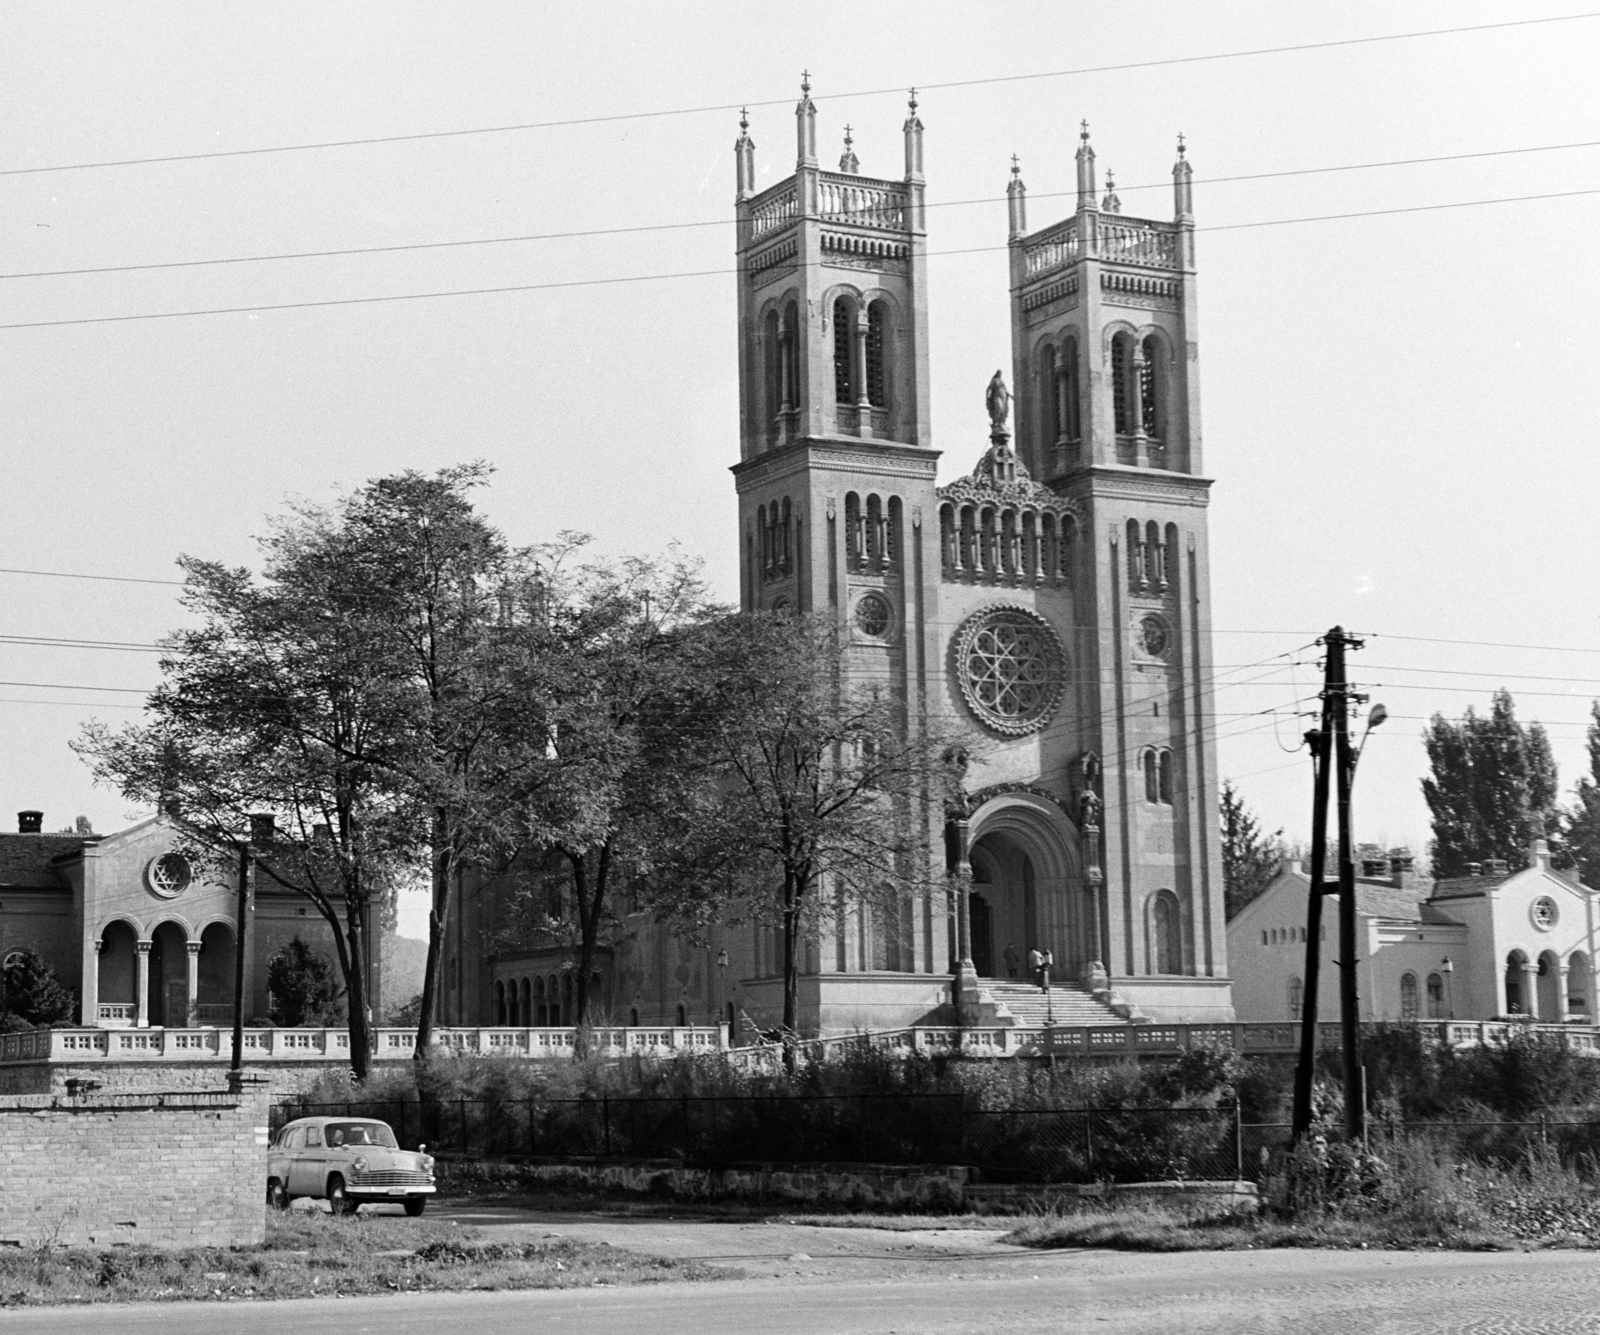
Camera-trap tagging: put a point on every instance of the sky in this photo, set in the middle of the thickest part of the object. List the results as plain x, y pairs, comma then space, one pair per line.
1399, 410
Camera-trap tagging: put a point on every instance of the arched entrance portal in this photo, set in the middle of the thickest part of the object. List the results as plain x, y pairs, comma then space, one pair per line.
1026, 890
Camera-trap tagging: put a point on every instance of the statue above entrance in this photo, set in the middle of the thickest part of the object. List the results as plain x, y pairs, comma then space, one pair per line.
998, 400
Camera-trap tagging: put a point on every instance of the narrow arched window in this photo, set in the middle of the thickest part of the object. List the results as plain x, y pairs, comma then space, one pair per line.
1435, 996
874, 534
499, 1003
633, 1016
1297, 992
683, 1016
1150, 389
1121, 408
1067, 376
1136, 557
1164, 927
852, 528
844, 384
773, 360
790, 343
1408, 996
1152, 781
1164, 777
1049, 397
1154, 556
785, 539
877, 366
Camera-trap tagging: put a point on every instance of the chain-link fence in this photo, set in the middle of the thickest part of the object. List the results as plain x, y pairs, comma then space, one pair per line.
1015, 1145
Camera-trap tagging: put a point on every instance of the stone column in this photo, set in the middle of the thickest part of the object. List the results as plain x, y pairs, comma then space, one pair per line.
1135, 392
1561, 994
141, 984
193, 1017
1530, 990
89, 1009
967, 1013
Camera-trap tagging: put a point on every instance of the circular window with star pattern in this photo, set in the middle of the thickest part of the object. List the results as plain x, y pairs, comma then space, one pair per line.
169, 875
1010, 667
1544, 913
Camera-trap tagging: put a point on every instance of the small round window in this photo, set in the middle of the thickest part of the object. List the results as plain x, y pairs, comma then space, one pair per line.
170, 875
1153, 637
873, 615
1544, 913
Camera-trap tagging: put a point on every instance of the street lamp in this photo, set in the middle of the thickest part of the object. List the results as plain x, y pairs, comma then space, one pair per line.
1448, 969
722, 983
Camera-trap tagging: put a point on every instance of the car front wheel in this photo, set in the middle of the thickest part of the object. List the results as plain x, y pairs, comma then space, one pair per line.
338, 1198
415, 1205
277, 1197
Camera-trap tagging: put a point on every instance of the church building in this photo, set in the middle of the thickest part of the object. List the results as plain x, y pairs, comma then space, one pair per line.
1052, 602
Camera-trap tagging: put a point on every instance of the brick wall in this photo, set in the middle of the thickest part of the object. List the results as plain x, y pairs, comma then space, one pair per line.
284, 1078
171, 1170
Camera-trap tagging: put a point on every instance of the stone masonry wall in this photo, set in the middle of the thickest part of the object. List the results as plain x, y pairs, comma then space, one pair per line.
168, 1170
285, 1079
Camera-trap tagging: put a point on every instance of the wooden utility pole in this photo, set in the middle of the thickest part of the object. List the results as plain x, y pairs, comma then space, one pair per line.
1330, 746
1355, 1094
1318, 739
239, 954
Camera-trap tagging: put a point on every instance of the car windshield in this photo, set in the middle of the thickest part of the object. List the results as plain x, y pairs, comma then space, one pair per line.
360, 1133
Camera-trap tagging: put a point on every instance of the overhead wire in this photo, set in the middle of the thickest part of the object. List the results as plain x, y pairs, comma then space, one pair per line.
721, 272
703, 109
724, 222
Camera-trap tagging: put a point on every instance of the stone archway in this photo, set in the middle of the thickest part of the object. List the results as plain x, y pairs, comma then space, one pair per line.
1024, 856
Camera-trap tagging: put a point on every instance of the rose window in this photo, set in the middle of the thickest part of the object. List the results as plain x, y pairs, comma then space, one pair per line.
1009, 664
170, 874
1544, 913
873, 615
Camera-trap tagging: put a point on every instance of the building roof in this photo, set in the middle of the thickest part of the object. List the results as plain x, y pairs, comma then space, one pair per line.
1469, 887
1380, 899
25, 859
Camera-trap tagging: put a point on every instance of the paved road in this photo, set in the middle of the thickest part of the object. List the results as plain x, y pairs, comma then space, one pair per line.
852, 1282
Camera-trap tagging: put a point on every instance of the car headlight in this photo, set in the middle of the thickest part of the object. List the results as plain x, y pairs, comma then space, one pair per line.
427, 1163
359, 1163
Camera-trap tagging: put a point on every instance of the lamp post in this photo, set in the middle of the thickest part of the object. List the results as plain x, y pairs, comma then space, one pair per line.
722, 987
1448, 970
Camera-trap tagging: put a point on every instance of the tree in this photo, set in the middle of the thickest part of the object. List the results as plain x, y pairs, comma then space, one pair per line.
594, 711
815, 793
304, 986
1492, 789
1580, 832
1249, 858
31, 995
290, 697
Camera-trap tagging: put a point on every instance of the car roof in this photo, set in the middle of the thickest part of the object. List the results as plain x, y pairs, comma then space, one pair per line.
323, 1121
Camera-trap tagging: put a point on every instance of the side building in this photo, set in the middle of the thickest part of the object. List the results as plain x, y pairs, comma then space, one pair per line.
141, 933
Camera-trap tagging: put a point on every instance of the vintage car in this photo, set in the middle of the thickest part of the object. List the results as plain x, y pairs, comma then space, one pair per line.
347, 1161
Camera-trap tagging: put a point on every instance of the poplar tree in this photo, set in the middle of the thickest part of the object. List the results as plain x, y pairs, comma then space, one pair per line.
1492, 787
1581, 823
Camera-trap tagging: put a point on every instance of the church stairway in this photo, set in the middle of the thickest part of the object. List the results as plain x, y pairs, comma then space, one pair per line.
1066, 1005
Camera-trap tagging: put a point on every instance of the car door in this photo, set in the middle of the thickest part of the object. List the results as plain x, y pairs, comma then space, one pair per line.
279, 1157
306, 1176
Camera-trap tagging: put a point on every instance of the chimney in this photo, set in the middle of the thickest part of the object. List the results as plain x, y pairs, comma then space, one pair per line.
1402, 869
1374, 868
1474, 869
1539, 854
1498, 867
263, 829
30, 822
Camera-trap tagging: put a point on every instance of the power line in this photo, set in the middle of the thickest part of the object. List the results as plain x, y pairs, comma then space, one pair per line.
617, 117
59, 686
465, 242
68, 574
325, 302
50, 642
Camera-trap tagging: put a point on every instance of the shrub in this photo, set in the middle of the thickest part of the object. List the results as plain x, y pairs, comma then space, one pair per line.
305, 987
31, 996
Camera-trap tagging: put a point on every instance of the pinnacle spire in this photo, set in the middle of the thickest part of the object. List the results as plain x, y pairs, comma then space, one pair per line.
1111, 204
849, 163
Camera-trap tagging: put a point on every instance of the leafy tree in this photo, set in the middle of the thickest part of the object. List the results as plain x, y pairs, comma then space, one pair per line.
1580, 826
594, 712
1492, 789
304, 986
290, 697
31, 995
1249, 858
816, 794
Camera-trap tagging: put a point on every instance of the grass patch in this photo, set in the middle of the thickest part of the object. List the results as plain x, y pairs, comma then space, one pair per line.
902, 1223
309, 1254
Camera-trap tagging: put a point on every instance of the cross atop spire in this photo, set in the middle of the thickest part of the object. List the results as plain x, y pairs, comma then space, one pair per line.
848, 161
1016, 166
913, 101
744, 118
1085, 134
1111, 204
1180, 143
805, 82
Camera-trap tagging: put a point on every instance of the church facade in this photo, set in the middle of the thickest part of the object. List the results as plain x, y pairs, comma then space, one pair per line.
1052, 606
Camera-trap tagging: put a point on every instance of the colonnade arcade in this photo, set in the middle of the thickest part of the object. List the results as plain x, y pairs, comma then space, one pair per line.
1549, 988
171, 975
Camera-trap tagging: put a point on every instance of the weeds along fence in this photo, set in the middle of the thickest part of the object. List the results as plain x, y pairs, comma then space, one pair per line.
1007, 1145
1020, 1145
